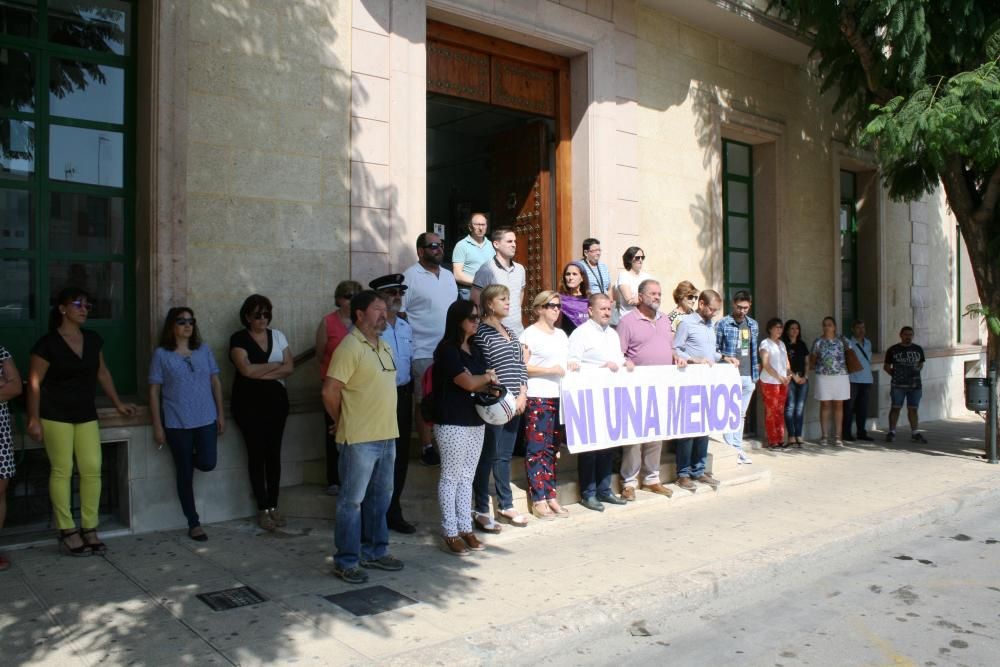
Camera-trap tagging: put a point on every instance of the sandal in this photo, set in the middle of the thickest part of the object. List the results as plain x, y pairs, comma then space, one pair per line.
541, 511
64, 536
485, 523
95, 544
557, 509
512, 517
197, 534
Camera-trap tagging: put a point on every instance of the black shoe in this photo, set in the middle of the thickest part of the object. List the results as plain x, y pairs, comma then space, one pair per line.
918, 437
592, 504
386, 562
890, 436
401, 525
866, 438
429, 456
848, 438
612, 499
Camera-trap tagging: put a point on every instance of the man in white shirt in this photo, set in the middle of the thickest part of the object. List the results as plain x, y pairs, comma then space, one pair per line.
431, 290
503, 270
471, 253
594, 344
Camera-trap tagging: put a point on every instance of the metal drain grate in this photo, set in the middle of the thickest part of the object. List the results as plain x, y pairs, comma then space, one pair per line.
231, 598
370, 601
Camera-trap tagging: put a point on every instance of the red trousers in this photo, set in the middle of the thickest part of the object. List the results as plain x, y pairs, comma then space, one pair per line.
775, 396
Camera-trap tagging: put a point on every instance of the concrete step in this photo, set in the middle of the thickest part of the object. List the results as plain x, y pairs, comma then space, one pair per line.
420, 497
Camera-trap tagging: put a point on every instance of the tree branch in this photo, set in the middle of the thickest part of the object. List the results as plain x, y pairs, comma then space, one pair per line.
849, 28
991, 197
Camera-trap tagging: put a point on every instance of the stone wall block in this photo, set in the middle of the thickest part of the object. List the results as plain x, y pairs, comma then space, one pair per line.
625, 49
367, 266
369, 97
371, 15
627, 185
626, 82
208, 168
371, 185
627, 115
369, 53
370, 141
920, 297
920, 234
627, 149
624, 15
920, 276
314, 227
698, 45
920, 211
919, 254
369, 229
336, 180
602, 9
208, 69
578, 5
265, 82
736, 58
266, 175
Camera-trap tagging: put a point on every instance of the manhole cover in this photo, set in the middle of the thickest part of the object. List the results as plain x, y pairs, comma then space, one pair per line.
231, 598
370, 600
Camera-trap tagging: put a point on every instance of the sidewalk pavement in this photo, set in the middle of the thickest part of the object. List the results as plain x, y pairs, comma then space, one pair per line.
532, 589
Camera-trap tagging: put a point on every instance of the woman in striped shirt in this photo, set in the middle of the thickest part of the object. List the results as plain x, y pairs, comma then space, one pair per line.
504, 354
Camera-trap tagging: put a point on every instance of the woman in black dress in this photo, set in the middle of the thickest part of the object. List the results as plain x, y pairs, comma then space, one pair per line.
260, 402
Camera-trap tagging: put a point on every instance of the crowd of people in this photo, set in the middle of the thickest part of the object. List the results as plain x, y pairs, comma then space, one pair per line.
432, 348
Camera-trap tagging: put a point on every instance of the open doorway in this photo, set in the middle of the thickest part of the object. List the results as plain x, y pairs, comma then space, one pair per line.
498, 143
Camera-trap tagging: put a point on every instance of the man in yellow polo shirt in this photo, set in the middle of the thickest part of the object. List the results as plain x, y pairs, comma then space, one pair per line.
359, 393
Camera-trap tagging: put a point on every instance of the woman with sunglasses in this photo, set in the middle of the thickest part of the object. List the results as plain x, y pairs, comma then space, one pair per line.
10, 387
184, 376
574, 289
66, 365
260, 402
459, 371
629, 279
547, 350
331, 330
686, 299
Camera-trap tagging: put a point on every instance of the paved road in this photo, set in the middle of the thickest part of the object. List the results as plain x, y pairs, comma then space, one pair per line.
931, 600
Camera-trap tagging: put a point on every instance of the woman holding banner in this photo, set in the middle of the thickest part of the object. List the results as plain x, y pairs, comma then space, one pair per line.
547, 350
774, 379
503, 354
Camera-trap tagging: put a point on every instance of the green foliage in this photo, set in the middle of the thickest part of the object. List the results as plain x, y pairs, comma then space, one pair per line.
986, 314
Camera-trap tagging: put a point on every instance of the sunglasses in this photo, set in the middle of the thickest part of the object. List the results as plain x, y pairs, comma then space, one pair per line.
473, 318
262, 315
185, 321
82, 305
693, 297
432, 246
639, 258
551, 306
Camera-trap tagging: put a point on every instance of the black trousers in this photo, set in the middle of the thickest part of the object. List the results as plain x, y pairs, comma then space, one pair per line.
332, 455
404, 420
856, 409
262, 427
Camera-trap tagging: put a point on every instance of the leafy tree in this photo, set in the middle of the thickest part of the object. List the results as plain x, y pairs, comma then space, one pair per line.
920, 81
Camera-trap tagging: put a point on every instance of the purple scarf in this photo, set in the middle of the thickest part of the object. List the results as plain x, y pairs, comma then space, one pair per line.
574, 308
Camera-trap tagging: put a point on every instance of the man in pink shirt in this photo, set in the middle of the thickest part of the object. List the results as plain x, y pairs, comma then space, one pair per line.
647, 339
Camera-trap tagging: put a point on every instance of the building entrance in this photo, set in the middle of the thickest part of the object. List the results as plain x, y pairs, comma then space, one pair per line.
496, 144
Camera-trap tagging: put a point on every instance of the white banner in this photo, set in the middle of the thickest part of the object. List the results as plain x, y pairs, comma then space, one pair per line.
601, 409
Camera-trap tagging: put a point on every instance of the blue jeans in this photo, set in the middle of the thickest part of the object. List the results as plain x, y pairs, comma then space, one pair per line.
735, 439
192, 448
594, 470
795, 408
498, 446
361, 531
900, 395
691, 454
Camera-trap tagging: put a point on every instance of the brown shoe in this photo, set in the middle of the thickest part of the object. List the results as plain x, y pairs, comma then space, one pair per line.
709, 480
659, 488
686, 484
472, 541
264, 520
454, 546
628, 493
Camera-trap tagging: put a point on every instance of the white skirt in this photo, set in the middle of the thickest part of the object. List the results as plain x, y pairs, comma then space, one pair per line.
832, 387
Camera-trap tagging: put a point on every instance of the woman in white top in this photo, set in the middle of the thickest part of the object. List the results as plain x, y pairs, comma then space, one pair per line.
774, 379
547, 354
629, 279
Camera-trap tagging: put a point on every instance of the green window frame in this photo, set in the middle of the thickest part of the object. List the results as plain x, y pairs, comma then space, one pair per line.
848, 224
76, 227
738, 218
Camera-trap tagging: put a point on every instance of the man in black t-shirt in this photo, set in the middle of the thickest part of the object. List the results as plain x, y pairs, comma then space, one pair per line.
903, 363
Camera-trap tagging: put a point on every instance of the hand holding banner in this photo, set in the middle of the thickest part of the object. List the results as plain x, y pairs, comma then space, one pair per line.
602, 409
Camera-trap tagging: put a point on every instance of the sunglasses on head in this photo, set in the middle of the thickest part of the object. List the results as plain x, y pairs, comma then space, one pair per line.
432, 246
185, 321
262, 315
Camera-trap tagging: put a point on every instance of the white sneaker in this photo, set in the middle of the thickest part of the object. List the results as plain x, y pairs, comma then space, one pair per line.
741, 457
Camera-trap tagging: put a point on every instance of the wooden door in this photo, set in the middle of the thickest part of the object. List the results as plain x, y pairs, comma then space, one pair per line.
519, 199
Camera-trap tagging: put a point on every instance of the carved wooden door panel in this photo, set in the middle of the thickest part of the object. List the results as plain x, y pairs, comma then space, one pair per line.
520, 194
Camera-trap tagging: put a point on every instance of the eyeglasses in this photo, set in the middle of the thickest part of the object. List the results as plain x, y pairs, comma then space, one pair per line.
551, 306
262, 315
638, 258
391, 363
185, 321
473, 318
82, 305
190, 363
432, 246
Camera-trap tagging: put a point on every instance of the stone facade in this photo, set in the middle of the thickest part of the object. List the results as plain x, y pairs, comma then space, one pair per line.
294, 134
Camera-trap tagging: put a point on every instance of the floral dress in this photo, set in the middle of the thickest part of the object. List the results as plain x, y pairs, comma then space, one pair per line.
830, 356
6, 431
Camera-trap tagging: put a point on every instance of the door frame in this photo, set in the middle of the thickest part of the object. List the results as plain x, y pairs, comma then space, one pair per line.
560, 66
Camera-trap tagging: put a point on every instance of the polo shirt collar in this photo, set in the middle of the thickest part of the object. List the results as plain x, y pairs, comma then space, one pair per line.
502, 267
361, 337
